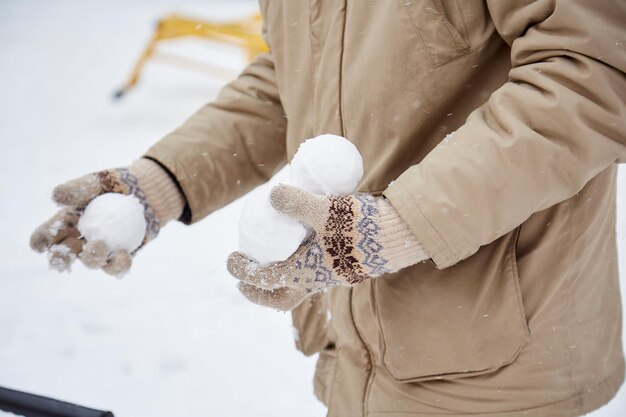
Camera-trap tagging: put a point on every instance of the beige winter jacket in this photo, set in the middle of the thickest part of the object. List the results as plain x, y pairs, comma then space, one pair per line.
519, 312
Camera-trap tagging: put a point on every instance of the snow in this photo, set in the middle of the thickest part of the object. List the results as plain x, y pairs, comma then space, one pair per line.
116, 219
327, 165
175, 338
265, 234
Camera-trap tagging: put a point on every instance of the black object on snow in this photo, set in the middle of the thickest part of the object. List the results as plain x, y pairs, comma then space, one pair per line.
31, 405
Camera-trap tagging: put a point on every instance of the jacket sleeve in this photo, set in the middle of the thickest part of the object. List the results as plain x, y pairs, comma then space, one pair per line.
558, 121
230, 145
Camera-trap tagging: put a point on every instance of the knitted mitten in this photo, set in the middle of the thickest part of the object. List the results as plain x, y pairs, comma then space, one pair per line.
60, 237
354, 238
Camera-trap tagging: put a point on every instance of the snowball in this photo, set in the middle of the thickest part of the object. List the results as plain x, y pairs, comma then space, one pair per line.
116, 219
327, 165
265, 234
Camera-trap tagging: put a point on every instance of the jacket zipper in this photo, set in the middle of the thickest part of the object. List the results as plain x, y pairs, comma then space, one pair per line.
371, 368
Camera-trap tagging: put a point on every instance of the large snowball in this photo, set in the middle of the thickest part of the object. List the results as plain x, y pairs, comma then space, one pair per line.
265, 234
116, 219
327, 165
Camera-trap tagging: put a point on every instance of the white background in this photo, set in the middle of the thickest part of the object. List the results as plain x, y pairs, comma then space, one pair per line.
174, 338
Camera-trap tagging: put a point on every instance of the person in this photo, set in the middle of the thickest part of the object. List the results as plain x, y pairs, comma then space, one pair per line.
475, 272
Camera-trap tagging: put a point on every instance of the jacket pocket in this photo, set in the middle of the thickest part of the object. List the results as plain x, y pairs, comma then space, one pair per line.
429, 20
462, 321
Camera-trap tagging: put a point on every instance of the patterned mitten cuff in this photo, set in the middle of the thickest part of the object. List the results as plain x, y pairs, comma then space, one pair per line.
161, 192
397, 242
360, 236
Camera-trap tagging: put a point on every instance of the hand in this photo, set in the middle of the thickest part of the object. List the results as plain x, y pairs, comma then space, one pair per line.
354, 238
59, 236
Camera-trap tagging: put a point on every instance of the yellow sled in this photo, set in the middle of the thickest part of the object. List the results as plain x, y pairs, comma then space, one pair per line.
245, 33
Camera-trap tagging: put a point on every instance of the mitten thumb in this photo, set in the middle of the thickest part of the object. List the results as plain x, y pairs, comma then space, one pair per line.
310, 209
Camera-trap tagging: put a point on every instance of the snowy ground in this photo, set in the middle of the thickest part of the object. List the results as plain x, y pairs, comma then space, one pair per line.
174, 338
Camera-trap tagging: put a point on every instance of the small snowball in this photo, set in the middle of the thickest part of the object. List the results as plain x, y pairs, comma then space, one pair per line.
327, 165
116, 219
265, 234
